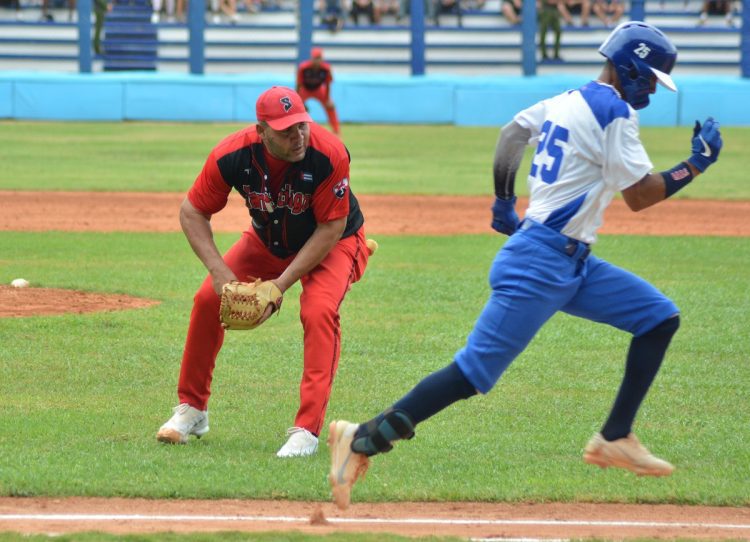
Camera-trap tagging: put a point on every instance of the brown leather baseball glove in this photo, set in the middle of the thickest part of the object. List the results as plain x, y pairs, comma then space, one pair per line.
244, 303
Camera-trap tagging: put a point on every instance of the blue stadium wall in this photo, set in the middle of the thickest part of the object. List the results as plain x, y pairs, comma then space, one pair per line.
464, 101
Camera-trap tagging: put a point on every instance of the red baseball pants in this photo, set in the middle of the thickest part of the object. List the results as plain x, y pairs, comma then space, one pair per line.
323, 290
321, 94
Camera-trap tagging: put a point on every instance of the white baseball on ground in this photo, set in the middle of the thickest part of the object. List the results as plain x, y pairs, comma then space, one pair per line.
19, 283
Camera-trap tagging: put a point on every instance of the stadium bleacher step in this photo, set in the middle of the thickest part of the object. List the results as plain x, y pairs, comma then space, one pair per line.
129, 16
130, 39
132, 49
128, 65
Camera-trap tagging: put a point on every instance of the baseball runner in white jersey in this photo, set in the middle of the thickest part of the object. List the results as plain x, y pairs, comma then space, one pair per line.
587, 150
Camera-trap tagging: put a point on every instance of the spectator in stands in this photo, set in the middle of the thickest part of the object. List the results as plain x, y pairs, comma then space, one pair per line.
253, 6
550, 13
227, 7
452, 7
717, 7
100, 11
405, 9
387, 7
314, 78
173, 10
609, 11
332, 14
577, 7
46, 15
364, 7
14, 4
511, 10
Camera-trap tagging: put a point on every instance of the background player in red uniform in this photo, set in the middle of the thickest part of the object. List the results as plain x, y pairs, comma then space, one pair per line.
306, 226
314, 78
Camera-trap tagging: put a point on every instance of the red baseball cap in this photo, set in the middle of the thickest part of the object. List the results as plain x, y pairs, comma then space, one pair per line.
316, 52
281, 107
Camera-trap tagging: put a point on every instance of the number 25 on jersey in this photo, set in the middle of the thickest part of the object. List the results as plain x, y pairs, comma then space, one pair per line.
549, 152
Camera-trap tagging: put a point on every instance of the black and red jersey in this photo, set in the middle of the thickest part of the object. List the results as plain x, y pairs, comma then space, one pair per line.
286, 203
312, 77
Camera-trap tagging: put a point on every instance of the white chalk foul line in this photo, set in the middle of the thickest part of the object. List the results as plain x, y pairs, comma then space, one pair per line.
377, 521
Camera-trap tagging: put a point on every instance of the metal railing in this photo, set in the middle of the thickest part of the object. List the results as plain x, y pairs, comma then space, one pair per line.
414, 48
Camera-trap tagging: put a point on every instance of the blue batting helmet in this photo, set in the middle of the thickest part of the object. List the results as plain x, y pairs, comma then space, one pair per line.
639, 52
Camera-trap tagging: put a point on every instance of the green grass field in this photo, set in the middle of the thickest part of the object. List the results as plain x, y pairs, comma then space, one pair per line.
83, 395
385, 159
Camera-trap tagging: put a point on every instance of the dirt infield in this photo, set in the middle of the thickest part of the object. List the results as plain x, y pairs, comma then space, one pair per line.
466, 520
386, 215
19, 302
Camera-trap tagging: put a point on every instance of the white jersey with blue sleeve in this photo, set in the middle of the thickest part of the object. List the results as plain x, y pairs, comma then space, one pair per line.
587, 150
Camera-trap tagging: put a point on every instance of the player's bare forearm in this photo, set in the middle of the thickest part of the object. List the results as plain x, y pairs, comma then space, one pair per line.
316, 248
705, 146
197, 229
649, 190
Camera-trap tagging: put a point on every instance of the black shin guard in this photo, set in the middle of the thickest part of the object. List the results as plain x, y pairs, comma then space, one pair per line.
430, 396
376, 436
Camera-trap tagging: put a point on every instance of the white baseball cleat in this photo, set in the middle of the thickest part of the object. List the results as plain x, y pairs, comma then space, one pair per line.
626, 453
346, 466
301, 443
185, 421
